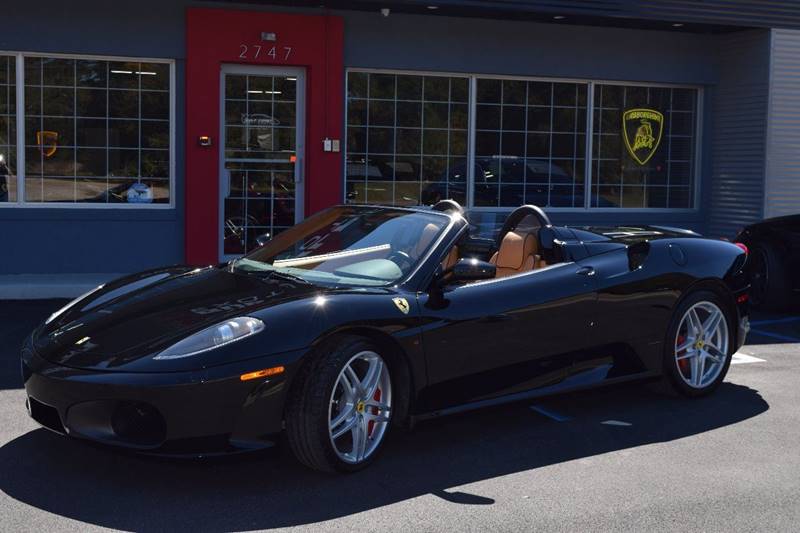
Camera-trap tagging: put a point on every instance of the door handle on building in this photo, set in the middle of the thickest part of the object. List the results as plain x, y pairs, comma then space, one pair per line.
298, 171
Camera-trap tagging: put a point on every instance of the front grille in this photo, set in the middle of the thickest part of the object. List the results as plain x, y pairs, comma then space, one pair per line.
47, 416
138, 424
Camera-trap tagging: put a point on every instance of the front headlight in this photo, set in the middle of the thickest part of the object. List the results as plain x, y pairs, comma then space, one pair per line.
221, 334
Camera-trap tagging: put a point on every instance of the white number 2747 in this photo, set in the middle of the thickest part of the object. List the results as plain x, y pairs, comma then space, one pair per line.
281, 53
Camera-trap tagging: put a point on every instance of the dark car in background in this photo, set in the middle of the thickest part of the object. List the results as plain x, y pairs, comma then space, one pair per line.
500, 180
524, 181
774, 262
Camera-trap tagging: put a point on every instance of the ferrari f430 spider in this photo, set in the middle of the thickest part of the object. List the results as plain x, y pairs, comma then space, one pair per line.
361, 319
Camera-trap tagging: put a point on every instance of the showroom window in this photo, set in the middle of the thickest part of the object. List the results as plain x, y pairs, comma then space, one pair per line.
8, 129
495, 143
530, 143
406, 138
643, 146
96, 132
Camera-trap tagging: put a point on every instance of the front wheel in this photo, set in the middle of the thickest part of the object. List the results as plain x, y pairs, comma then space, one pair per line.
340, 411
699, 344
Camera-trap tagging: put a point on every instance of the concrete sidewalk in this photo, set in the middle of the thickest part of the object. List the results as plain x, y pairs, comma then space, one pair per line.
46, 286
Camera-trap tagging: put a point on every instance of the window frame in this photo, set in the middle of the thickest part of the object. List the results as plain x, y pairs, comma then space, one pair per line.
20, 203
470, 130
590, 108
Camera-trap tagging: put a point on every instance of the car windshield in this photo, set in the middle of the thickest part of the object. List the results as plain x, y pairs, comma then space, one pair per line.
349, 245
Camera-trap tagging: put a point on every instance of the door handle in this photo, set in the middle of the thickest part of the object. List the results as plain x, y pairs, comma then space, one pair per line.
298, 179
585, 271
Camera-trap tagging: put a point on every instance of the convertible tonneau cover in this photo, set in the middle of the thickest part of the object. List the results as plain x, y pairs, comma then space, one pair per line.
629, 234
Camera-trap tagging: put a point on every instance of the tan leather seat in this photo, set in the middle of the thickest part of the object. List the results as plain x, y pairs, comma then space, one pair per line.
517, 254
451, 259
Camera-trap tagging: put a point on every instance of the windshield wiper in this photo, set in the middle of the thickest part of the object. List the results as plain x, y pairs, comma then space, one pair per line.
269, 274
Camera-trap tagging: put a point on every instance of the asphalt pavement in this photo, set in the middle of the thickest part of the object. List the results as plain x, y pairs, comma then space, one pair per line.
630, 458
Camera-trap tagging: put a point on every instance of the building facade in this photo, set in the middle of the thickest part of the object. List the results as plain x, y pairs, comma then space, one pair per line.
140, 134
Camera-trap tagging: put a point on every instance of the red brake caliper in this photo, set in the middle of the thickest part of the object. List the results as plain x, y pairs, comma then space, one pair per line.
683, 364
371, 425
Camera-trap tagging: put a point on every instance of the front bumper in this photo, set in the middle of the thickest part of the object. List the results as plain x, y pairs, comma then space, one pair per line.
197, 413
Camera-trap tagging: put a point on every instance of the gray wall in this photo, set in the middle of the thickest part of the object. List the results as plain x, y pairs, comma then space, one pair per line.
782, 180
106, 240
739, 132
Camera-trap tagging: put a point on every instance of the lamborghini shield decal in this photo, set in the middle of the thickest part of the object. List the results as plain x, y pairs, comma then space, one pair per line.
641, 131
402, 305
47, 141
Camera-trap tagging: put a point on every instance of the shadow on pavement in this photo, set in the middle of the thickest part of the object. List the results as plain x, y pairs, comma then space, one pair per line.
116, 490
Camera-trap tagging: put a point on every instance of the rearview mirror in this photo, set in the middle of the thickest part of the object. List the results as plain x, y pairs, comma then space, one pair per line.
470, 269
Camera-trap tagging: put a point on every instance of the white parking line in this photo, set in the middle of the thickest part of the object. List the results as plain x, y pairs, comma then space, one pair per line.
740, 358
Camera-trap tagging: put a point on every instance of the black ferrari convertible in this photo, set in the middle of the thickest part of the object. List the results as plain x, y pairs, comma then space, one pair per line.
365, 318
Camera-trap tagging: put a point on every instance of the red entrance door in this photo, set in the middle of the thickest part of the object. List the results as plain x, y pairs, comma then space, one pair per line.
216, 38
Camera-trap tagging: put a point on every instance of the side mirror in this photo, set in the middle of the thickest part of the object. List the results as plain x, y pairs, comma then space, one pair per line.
470, 269
263, 239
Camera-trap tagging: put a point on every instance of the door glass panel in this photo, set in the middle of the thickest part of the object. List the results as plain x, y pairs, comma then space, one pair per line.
260, 156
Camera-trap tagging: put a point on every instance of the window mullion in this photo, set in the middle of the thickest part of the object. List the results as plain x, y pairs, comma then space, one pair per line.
20, 118
473, 83
588, 159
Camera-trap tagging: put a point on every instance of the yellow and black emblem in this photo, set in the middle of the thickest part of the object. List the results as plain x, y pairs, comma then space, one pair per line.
48, 142
402, 304
641, 131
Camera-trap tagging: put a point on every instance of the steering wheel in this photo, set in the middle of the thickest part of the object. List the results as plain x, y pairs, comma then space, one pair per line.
401, 259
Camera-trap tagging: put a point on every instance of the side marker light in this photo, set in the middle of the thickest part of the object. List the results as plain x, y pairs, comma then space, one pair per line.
262, 373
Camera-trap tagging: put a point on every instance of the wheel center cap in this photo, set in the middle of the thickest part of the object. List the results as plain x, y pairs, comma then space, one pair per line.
699, 344
361, 406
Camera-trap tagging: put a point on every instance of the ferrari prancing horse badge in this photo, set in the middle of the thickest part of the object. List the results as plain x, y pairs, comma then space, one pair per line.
402, 304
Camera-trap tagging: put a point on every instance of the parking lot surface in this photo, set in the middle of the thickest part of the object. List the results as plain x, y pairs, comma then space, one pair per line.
630, 458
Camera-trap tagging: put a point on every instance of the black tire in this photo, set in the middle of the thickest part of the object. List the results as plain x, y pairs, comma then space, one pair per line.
670, 365
769, 279
307, 420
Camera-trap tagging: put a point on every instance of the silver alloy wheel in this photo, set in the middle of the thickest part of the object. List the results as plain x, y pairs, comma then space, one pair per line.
701, 344
360, 407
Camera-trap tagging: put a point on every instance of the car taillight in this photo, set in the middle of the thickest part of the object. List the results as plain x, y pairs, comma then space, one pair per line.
742, 298
743, 247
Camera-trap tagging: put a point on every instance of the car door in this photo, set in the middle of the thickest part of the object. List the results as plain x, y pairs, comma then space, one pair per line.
505, 335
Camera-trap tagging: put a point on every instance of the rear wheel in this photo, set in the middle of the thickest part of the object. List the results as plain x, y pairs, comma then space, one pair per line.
699, 344
340, 411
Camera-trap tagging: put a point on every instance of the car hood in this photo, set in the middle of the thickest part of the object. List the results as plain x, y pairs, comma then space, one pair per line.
140, 315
